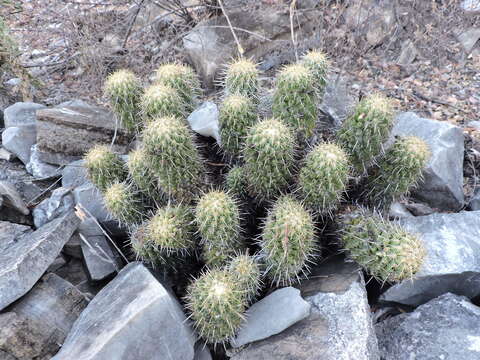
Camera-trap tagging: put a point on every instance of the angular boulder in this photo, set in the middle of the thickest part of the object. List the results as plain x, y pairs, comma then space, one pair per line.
90, 198
60, 202
19, 141
21, 114
40, 169
74, 174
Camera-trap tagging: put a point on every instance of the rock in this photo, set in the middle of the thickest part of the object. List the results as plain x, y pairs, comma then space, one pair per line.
471, 5
475, 124
204, 120
60, 202
272, 315
408, 53
442, 186
24, 261
475, 200
452, 263
337, 103
58, 263
469, 38
19, 140
73, 246
133, 317
339, 325
74, 174
444, 328
11, 233
12, 198
40, 169
90, 198
6, 155
21, 114
419, 209
398, 211
65, 134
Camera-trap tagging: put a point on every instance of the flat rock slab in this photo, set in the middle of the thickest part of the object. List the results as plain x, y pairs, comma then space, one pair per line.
21, 114
65, 134
60, 202
24, 261
133, 317
90, 198
444, 328
12, 198
74, 174
452, 263
11, 233
442, 186
19, 141
271, 315
99, 258
40, 169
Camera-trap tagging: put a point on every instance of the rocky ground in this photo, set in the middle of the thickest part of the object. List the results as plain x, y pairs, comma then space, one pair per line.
69, 284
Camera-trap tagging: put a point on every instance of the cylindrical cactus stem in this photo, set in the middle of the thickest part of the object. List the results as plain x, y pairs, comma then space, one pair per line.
236, 181
363, 134
294, 100
398, 171
177, 163
242, 77
269, 158
217, 304
246, 270
237, 115
318, 63
287, 243
124, 92
142, 246
161, 101
124, 203
183, 79
324, 177
384, 249
104, 167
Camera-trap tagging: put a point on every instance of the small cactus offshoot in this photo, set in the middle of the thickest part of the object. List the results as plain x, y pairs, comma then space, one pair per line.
104, 167
237, 114
161, 100
176, 161
242, 78
363, 134
287, 242
183, 79
236, 181
384, 249
124, 92
294, 101
317, 62
142, 173
269, 158
124, 203
246, 270
323, 178
217, 304
399, 170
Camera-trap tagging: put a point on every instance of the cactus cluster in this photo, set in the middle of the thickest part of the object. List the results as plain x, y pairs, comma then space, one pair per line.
242, 78
124, 203
161, 101
104, 167
318, 64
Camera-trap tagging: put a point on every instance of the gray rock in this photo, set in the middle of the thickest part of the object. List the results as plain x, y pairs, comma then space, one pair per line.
74, 174
442, 186
11, 233
58, 263
100, 260
419, 209
474, 203
21, 114
202, 352
471, 5
24, 261
339, 325
469, 38
40, 169
19, 141
6, 155
475, 124
90, 198
60, 202
398, 211
271, 315
337, 103
204, 120
444, 328
73, 246
12, 198
133, 317
452, 263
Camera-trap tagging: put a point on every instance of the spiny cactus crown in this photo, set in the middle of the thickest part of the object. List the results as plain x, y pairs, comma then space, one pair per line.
140, 168
246, 270
124, 203
317, 62
242, 78
104, 167
161, 100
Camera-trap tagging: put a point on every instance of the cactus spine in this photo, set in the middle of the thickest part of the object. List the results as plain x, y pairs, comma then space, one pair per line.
269, 156
161, 101
323, 178
104, 167
294, 99
124, 92
237, 114
246, 270
124, 203
242, 78
287, 242
363, 134
387, 251
318, 64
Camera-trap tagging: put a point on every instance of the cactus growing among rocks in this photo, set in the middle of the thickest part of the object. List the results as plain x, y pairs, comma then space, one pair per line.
217, 304
160, 101
388, 252
124, 92
323, 178
246, 270
362, 135
241, 78
124, 203
237, 114
317, 62
141, 171
288, 241
104, 167
175, 158
398, 170
269, 157
294, 99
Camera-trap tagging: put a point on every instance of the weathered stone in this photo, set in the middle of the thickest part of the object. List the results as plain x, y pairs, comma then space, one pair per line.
469, 38
6, 155
74, 174
474, 203
21, 114
398, 211
12, 198
19, 140
11, 233
204, 120
99, 258
442, 186
452, 263
73, 246
337, 103
272, 315
64, 134
408, 53
90, 198
60, 202
40, 169
444, 328
24, 261
133, 317
419, 209
339, 325
58, 263
471, 5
